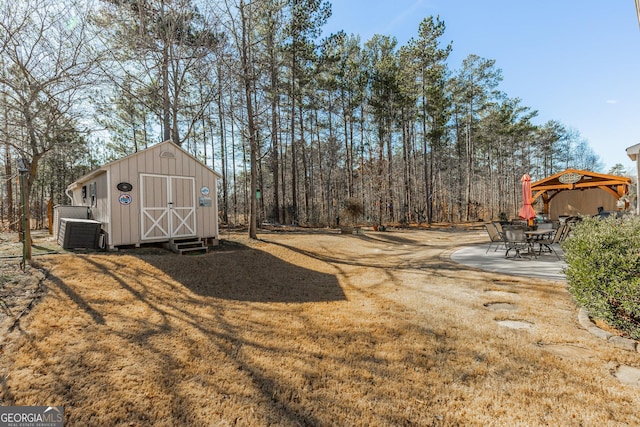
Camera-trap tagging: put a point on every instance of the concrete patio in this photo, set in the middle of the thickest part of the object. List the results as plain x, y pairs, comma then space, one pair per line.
545, 266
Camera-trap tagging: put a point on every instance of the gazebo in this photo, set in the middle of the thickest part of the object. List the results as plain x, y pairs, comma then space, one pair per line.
574, 192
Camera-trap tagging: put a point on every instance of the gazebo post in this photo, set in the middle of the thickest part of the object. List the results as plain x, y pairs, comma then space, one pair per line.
545, 204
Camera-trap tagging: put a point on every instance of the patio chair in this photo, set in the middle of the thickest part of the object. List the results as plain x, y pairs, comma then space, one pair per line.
545, 226
495, 236
515, 239
565, 232
550, 241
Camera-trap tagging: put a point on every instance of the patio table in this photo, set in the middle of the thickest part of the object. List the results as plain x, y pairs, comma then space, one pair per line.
534, 236
516, 239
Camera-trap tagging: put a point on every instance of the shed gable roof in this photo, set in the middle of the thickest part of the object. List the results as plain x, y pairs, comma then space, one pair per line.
165, 149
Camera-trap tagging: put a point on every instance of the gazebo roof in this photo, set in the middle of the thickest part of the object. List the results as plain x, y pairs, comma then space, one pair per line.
575, 179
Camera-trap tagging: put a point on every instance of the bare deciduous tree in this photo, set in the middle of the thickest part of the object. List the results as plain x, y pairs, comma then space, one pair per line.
47, 61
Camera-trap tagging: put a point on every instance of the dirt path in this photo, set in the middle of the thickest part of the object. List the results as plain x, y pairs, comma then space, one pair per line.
310, 329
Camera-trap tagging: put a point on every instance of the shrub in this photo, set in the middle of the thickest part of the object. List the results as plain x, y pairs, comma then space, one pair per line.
603, 273
353, 208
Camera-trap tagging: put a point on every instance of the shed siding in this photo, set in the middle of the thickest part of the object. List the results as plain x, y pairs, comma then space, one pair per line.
121, 232
121, 221
100, 209
207, 216
150, 162
97, 205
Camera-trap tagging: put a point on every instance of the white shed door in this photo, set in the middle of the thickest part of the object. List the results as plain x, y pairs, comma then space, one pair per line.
168, 206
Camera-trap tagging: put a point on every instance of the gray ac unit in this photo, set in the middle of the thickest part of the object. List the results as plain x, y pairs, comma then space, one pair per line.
77, 233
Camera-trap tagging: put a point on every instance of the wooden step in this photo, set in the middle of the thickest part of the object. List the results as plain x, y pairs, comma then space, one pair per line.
187, 246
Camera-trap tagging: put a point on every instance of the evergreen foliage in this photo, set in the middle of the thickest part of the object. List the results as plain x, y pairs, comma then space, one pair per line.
603, 272
256, 92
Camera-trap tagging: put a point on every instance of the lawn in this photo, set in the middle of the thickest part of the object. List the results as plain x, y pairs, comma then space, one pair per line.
313, 329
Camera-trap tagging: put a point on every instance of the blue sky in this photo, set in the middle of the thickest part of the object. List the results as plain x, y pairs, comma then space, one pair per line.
575, 61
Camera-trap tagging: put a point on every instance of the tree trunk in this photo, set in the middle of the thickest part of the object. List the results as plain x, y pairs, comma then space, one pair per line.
305, 166
294, 169
405, 170
275, 151
223, 152
166, 105
9, 185
390, 172
253, 148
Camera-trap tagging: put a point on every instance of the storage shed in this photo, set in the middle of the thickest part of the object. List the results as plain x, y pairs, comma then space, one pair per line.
160, 194
575, 192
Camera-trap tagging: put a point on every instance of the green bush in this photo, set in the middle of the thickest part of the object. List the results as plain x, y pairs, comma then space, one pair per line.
603, 272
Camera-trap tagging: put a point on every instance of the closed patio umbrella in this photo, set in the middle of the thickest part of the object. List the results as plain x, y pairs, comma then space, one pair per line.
526, 211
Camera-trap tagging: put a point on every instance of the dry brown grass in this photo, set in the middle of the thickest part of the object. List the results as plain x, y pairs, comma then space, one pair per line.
309, 329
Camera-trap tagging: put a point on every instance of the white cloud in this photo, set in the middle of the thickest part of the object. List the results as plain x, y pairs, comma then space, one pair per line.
400, 19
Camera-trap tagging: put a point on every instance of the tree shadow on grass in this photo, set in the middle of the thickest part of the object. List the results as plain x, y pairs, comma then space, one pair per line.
241, 273
387, 237
378, 260
78, 299
157, 353
123, 337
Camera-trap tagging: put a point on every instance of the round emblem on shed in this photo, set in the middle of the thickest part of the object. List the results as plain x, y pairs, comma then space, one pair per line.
124, 186
204, 191
125, 199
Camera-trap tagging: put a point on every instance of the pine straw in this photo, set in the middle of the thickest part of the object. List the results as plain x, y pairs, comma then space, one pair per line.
308, 329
